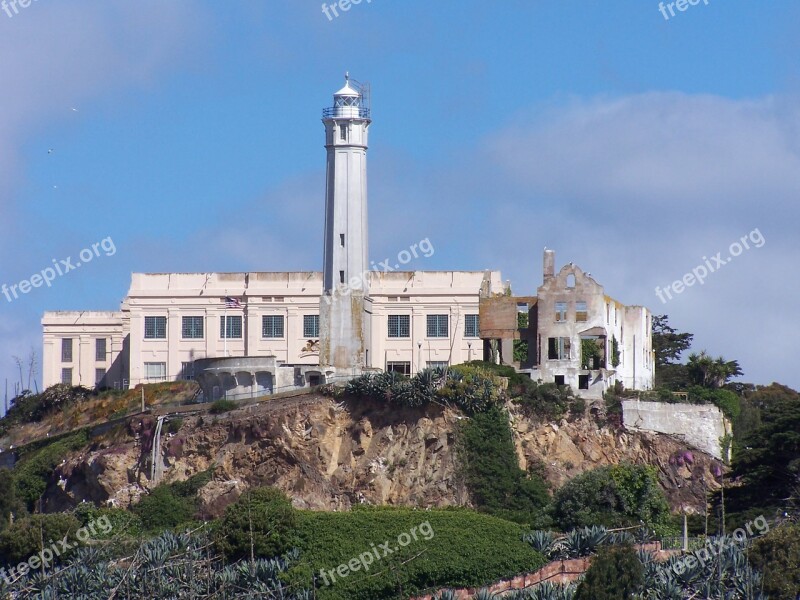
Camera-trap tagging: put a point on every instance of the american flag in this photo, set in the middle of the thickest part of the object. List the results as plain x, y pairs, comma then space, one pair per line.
232, 302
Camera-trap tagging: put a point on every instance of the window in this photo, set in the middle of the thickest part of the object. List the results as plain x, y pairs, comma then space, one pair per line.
311, 326
399, 326
581, 312
99, 376
559, 380
558, 348
438, 326
272, 326
155, 328
100, 349
571, 280
341, 240
471, 326
343, 132
187, 370
230, 327
66, 350
66, 376
437, 364
401, 367
583, 382
341, 276
192, 328
155, 371
561, 311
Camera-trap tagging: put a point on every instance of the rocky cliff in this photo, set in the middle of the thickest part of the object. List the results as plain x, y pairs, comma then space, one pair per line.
330, 455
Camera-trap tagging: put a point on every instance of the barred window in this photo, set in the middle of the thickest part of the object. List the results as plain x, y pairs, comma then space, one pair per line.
399, 326
99, 376
100, 348
192, 328
311, 326
438, 326
230, 327
155, 371
66, 376
272, 326
155, 328
402, 367
66, 350
471, 326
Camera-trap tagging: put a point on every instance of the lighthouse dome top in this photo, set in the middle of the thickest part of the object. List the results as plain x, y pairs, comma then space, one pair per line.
350, 102
347, 90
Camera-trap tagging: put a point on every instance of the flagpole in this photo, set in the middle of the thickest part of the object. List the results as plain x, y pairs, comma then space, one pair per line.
225, 327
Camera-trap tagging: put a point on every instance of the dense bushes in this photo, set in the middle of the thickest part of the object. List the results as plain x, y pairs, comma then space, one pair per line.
490, 469
547, 401
615, 496
36, 467
467, 387
615, 574
24, 537
453, 548
260, 524
777, 555
27, 407
170, 505
222, 406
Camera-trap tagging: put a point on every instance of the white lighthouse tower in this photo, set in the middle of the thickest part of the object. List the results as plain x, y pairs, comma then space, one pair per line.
345, 271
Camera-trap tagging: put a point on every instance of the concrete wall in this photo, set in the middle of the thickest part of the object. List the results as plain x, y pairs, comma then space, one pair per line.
700, 426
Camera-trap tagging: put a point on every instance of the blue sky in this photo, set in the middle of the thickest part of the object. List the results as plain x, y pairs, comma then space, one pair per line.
190, 134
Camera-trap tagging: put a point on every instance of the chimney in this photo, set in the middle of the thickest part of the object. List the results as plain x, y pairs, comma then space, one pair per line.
549, 268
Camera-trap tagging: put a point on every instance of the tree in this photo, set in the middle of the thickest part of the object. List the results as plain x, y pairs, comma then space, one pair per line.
709, 372
777, 556
262, 523
615, 496
615, 574
668, 344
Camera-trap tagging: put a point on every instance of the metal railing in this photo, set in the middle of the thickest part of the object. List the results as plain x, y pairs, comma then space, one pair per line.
345, 112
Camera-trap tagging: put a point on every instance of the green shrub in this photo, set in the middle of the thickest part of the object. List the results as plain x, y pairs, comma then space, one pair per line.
9, 502
546, 401
262, 521
489, 466
728, 402
615, 496
36, 467
777, 556
222, 406
170, 505
453, 548
615, 574
119, 521
23, 538
174, 425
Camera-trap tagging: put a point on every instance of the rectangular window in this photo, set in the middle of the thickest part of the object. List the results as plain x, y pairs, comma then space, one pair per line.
341, 276
581, 312
399, 326
438, 326
311, 326
66, 376
187, 370
66, 350
343, 132
559, 380
583, 382
341, 240
155, 371
272, 326
192, 328
437, 364
155, 328
99, 376
401, 367
561, 311
471, 326
230, 327
558, 348
100, 349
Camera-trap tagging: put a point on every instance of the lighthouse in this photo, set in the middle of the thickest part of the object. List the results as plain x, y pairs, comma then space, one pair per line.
343, 322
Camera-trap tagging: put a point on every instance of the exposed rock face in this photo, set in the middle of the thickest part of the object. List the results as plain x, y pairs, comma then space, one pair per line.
329, 455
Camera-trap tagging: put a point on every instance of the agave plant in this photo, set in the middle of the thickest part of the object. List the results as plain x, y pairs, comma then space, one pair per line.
484, 594
541, 541
446, 595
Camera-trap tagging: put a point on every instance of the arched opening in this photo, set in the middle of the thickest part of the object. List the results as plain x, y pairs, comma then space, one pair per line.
571, 280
